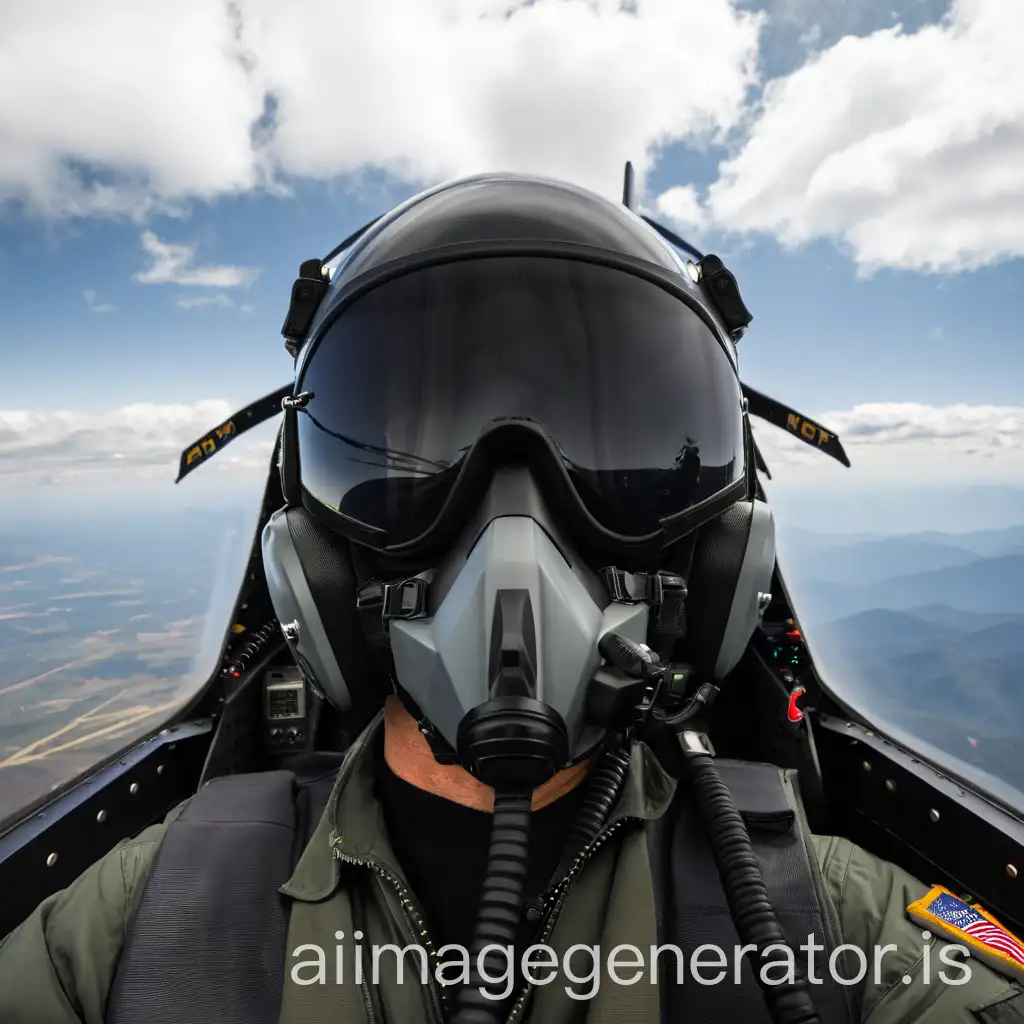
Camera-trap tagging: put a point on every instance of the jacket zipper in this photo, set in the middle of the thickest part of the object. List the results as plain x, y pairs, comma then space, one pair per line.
554, 900
414, 922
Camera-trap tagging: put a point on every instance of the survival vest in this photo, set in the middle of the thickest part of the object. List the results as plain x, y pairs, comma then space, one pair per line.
208, 942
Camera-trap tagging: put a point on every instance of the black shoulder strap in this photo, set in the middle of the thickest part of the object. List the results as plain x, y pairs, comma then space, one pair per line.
693, 910
218, 870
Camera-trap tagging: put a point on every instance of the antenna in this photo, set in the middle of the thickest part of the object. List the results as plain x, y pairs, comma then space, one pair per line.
628, 191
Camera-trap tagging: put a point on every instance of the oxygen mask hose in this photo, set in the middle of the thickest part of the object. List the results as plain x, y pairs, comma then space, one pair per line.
752, 912
514, 745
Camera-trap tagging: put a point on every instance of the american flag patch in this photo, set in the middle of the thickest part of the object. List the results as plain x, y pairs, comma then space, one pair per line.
968, 924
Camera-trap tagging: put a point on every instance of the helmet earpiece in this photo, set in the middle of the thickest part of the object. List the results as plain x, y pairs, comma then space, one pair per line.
730, 577
313, 587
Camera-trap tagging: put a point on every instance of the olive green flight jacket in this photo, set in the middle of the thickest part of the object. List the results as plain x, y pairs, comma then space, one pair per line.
58, 966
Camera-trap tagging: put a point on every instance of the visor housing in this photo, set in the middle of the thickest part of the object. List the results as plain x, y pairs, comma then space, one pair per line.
430, 378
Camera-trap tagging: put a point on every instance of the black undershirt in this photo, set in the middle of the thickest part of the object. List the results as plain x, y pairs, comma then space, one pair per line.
442, 849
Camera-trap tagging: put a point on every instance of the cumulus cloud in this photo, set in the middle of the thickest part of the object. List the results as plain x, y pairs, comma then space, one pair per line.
907, 148
132, 442
174, 264
914, 442
94, 305
219, 301
909, 441
203, 99
682, 205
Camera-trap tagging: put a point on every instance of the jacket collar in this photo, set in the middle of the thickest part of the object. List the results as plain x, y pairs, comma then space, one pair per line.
352, 825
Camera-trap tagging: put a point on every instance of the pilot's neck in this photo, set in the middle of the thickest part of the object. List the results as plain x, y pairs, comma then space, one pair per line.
408, 755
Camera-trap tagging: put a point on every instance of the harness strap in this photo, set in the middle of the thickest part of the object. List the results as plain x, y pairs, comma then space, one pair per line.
208, 941
693, 911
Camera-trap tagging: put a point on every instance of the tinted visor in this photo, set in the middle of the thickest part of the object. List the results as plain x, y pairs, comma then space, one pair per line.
639, 401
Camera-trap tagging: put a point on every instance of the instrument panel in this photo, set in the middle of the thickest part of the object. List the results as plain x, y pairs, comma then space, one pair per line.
287, 718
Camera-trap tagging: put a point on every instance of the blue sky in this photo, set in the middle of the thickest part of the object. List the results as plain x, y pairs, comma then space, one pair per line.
873, 225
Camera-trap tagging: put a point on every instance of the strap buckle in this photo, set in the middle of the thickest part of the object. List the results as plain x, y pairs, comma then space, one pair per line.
378, 603
405, 600
634, 588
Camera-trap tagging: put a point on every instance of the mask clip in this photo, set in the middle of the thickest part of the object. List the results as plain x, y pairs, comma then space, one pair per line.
378, 603
662, 590
636, 587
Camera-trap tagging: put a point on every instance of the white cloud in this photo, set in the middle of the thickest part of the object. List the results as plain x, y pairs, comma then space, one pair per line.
202, 99
174, 264
907, 148
908, 442
811, 37
94, 306
681, 204
132, 442
219, 301
155, 96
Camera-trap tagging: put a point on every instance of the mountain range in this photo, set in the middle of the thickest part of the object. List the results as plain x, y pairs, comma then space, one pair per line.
925, 631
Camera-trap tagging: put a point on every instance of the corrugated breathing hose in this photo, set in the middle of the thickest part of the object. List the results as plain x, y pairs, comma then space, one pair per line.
745, 892
501, 903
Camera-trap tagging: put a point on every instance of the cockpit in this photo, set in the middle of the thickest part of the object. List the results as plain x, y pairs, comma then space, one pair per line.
143, 658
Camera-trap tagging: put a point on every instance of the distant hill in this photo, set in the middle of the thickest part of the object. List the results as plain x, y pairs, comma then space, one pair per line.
874, 560
924, 631
944, 614
1005, 638
880, 628
810, 541
987, 585
907, 547
984, 543
952, 678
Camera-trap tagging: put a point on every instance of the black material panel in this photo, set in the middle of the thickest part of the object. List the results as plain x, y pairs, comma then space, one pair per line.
695, 912
717, 560
755, 790
81, 825
1009, 1011
204, 872
935, 827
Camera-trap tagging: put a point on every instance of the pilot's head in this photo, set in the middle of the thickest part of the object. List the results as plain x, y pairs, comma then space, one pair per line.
514, 407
